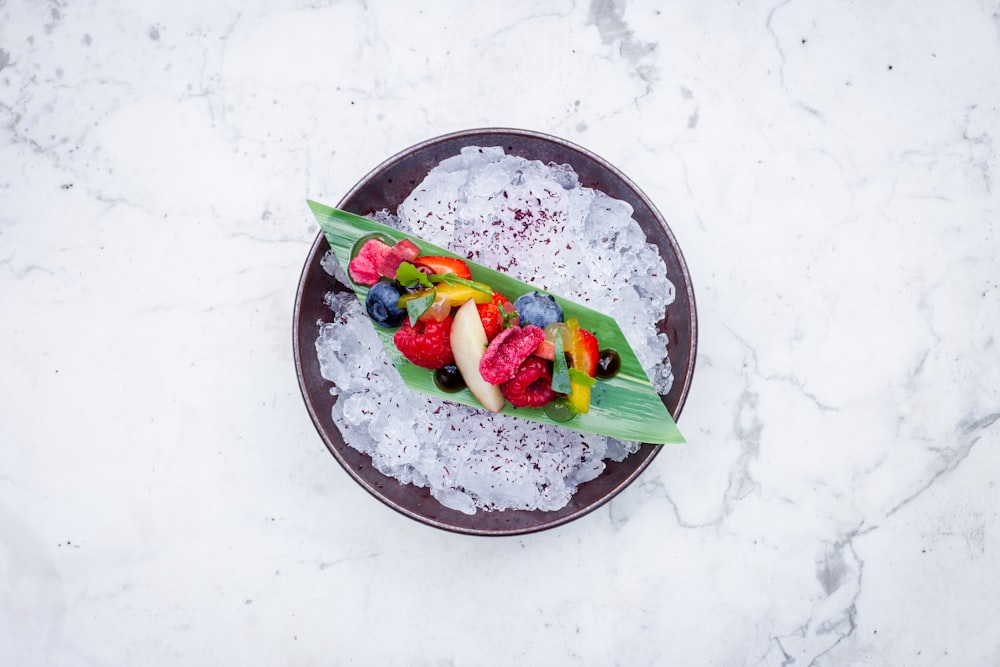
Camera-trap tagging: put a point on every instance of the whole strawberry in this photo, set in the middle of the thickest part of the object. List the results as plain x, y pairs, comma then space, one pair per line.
426, 344
495, 315
491, 318
531, 386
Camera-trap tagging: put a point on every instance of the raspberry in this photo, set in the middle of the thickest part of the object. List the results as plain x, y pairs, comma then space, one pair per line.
506, 352
531, 386
426, 344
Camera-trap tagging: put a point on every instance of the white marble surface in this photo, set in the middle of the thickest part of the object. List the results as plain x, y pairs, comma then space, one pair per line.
829, 168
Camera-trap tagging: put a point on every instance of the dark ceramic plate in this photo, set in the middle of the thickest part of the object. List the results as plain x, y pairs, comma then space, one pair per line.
386, 187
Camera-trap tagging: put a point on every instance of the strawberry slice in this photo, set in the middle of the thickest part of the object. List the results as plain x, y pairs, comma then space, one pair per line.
404, 251
493, 314
363, 268
491, 318
505, 306
584, 353
440, 264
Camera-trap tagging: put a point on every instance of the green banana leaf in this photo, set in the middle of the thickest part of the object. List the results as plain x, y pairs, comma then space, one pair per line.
625, 406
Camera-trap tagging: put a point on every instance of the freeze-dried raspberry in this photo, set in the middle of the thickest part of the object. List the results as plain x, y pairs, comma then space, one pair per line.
506, 352
404, 251
363, 268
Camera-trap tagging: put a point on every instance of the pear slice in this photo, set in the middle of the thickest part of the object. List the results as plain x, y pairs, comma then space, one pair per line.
468, 344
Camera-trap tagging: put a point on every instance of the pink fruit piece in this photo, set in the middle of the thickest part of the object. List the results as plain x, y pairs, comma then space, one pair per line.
404, 251
545, 350
364, 267
507, 350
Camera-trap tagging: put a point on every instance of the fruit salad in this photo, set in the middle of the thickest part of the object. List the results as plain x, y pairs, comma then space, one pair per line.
525, 352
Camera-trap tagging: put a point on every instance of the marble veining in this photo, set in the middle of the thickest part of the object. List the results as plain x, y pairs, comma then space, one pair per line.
829, 169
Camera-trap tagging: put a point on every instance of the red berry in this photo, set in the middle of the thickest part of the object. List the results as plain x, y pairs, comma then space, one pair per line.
506, 308
585, 351
531, 386
507, 351
491, 318
493, 314
426, 344
440, 264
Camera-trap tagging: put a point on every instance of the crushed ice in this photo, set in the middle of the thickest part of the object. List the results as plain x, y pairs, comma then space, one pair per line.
537, 224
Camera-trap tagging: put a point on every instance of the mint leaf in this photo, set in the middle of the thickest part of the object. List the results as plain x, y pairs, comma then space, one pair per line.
560, 372
410, 276
418, 306
581, 378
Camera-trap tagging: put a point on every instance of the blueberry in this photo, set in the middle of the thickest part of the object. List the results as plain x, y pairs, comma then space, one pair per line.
382, 304
538, 309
